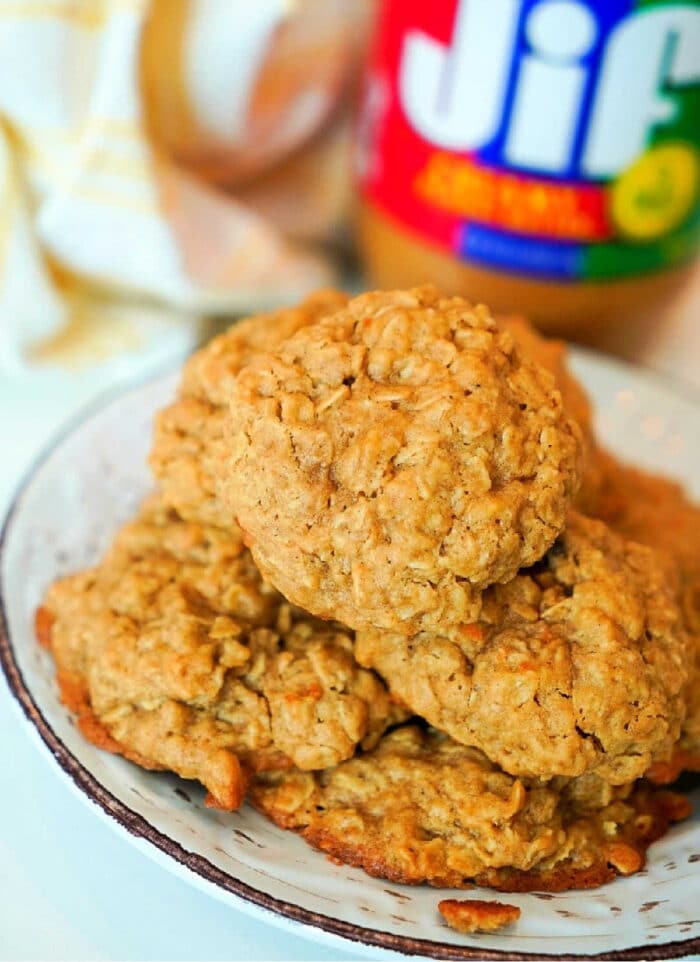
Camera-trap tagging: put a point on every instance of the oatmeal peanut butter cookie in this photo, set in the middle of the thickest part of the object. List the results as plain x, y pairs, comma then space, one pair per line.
188, 433
656, 511
576, 665
175, 653
421, 808
391, 460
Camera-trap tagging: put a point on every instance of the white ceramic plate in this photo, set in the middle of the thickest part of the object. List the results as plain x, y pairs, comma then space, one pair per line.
88, 483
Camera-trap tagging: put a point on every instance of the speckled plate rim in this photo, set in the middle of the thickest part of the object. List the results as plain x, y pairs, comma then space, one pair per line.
170, 854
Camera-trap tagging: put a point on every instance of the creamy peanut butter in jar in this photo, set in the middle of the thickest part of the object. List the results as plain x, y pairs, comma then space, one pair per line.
539, 155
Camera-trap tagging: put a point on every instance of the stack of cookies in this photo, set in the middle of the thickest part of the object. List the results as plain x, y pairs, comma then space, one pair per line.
373, 593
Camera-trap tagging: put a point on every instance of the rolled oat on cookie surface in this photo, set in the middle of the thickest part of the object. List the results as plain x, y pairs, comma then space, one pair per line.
577, 665
188, 433
393, 459
175, 653
421, 808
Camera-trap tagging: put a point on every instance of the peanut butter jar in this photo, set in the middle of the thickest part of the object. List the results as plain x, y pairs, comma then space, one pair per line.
539, 155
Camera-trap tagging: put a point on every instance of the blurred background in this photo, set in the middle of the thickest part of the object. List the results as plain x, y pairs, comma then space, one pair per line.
168, 166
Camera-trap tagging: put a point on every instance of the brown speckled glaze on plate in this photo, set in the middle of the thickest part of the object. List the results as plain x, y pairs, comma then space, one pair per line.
91, 480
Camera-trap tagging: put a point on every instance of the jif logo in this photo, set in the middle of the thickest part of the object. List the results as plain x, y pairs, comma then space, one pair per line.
458, 97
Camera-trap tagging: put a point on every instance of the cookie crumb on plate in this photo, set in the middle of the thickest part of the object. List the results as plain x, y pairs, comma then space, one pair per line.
477, 915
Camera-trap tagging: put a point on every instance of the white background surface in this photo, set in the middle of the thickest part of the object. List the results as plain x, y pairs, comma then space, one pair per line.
69, 887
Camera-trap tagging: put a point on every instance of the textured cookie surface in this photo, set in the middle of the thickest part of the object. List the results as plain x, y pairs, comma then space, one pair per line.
174, 652
188, 433
656, 511
393, 459
577, 665
421, 808
552, 354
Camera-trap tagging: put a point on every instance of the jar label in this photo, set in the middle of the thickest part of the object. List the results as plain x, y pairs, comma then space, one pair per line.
551, 138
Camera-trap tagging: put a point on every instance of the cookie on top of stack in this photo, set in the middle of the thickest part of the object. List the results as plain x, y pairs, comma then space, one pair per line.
364, 597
